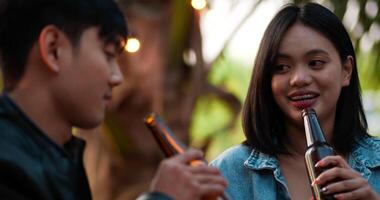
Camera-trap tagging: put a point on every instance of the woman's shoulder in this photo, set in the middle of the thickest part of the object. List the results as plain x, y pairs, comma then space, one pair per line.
233, 155
367, 150
370, 144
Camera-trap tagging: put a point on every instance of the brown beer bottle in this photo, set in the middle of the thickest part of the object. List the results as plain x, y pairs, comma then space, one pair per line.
165, 138
169, 144
317, 149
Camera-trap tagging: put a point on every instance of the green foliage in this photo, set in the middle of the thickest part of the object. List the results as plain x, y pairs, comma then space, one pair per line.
368, 73
210, 124
225, 139
232, 76
212, 117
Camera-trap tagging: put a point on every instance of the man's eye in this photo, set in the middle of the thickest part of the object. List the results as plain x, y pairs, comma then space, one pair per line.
110, 55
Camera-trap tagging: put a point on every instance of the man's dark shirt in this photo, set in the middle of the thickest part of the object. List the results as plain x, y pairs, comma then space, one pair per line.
34, 167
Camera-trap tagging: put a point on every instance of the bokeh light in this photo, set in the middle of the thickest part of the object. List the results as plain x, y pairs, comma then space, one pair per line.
133, 45
198, 4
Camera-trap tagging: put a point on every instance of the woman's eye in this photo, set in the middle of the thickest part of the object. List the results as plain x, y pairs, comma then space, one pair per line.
316, 63
281, 68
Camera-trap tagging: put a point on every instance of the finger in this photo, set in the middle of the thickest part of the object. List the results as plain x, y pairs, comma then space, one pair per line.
342, 186
360, 193
199, 161
332, 160
189, 155
195, 163
204, 169
211, 189
210, 179
334, 174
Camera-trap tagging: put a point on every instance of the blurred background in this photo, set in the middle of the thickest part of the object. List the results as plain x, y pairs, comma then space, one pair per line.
190, 61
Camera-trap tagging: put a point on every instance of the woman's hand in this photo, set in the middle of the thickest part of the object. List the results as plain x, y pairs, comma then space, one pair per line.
350, 184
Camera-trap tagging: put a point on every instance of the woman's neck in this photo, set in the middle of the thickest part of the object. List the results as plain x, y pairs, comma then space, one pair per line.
295, 140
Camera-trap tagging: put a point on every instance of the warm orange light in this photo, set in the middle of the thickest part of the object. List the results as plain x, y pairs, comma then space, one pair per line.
133, 45
149, 120
199, 4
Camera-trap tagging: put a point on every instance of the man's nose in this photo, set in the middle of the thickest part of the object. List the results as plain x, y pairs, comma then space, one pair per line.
116, 76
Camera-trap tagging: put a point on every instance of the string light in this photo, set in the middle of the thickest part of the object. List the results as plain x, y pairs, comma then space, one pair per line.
133, 45
199, 4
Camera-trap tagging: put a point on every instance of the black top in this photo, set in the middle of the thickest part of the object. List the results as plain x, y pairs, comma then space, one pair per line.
34, 167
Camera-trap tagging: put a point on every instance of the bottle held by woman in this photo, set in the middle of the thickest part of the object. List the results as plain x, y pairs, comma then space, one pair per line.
317, 149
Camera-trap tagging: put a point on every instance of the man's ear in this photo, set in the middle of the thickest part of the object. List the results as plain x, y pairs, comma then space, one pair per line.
348, 66
51, 42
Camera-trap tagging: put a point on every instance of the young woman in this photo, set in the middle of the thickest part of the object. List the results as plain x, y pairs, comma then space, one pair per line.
306, 59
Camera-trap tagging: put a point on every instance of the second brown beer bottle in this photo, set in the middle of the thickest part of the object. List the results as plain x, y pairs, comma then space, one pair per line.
317, 149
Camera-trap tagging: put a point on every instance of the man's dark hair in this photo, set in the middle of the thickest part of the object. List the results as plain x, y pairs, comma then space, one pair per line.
21, 22
263, 121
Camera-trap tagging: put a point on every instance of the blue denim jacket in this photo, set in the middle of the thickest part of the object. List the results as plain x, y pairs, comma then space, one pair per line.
254, 175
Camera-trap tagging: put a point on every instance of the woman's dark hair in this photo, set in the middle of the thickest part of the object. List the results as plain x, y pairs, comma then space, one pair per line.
263, 121
21, 22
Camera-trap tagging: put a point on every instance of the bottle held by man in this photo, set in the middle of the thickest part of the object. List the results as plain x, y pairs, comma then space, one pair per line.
169, 143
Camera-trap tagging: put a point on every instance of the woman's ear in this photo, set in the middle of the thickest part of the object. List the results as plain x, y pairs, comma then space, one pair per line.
348, 66
51, 41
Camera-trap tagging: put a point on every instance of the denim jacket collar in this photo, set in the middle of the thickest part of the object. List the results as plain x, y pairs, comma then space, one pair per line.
365, 156
254, 175
261, 161
359, 158
258, 161
365, 149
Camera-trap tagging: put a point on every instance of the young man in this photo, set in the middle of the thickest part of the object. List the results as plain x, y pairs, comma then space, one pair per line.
58, 59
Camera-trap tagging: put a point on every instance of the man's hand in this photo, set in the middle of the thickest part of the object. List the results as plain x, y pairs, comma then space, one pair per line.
177, 179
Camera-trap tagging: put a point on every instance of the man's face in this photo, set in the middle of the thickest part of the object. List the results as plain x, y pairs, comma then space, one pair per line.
88, 74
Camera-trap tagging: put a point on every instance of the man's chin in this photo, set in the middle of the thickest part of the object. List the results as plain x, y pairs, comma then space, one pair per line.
91, 124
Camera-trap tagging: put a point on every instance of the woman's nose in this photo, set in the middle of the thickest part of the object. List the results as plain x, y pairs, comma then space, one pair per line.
300, 77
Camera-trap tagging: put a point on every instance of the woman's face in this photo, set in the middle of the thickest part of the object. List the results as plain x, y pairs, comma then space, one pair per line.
308, 72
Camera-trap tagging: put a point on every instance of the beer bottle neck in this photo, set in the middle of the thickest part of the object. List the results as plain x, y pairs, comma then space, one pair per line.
314, 133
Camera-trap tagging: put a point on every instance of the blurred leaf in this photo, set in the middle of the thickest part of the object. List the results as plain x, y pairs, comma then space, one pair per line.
232, 76
225, 139
210, 115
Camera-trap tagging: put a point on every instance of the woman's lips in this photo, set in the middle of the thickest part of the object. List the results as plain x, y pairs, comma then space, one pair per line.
305, 103
303, 100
